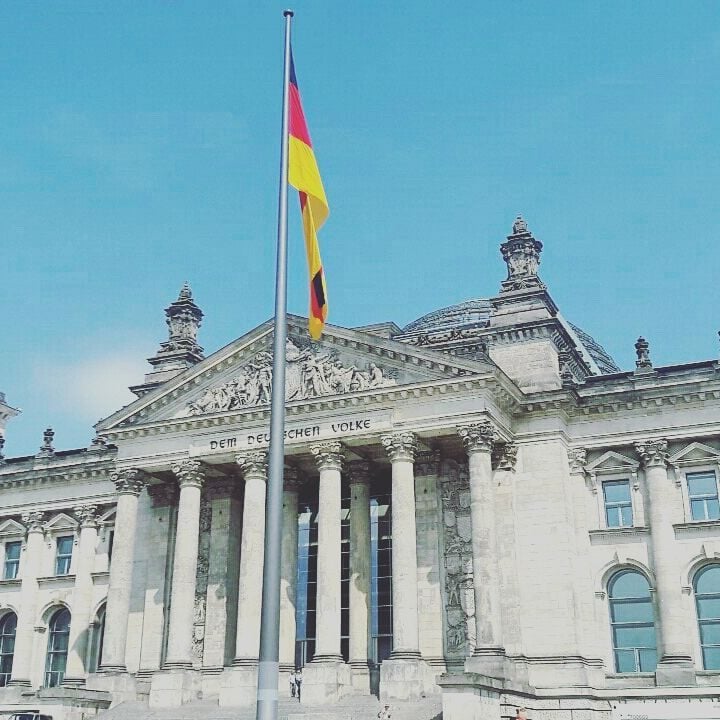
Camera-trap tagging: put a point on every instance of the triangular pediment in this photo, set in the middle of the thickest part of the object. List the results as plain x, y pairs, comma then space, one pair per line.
344, 362
694, 454
60, 522
11, 529
612, 462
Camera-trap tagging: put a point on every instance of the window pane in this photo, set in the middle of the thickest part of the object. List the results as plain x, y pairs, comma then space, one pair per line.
12, 551
710, 633
624, 612
697, 509
711, 658
617, 491
629, 584
625, 661
634, 637
64, 545
702, 484
648, 660
613, 517
708, 607
708, 580
626, 516
713, 509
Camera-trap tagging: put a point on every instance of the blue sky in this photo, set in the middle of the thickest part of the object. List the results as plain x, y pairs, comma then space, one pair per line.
140, 149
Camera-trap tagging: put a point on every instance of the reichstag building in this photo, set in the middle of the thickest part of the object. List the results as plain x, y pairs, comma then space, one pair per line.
480, 506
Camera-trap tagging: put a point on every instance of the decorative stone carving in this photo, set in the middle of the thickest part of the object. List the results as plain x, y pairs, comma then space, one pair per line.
328, 455
478, 437
130, 481
457, 534
521, 253
504, 457
2, 445
653, 453
46, 449
201, 580
642, 350
189, 473
253, 463
308, 374
359, 472
86, 515
33, 520
400, 446
427, 462
567, 378
577, 459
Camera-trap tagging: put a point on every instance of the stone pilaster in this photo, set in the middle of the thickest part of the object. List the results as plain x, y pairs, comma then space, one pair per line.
489, 654
129, 484
674, 633
288, 568
31, 567
359, 600
191, 476
82, 596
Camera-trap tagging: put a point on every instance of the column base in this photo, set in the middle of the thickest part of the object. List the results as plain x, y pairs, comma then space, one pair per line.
406, 678
172, 688
360, 676
71, 682
487, 661
247, 662
325, 680
675, 670
19, 683
238, 686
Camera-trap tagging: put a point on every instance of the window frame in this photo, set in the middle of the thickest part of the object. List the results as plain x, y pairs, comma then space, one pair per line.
54, 678
5, 674
705, 621
57, 558
15, 561
599, 478
697, 469
607, 506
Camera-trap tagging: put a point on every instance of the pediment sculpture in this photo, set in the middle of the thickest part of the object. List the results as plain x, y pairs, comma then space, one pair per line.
308, 374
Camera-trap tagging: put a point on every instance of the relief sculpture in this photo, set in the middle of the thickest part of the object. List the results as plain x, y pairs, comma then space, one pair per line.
308, 374
459, 590
201, 581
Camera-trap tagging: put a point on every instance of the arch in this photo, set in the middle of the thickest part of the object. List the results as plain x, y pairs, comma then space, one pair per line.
632, 621
48, 610
606, 572
8, 629
97, 636
57, 647
706, 588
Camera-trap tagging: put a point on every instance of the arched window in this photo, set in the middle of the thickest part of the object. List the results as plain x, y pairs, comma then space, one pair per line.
632, 622
97, 637
57, 650
8, 625
707, 602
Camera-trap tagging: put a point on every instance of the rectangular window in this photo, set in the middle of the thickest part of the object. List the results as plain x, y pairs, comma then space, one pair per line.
618, 506
63, 556
703, 494
12, 560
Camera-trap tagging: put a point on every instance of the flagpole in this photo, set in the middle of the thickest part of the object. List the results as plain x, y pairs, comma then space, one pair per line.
268, 661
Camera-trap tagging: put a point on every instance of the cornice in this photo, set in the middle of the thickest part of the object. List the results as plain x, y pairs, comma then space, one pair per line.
48, 475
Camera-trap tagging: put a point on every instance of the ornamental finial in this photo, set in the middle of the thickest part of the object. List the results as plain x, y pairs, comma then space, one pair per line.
519, 226
642, 350
521, 253
46, 449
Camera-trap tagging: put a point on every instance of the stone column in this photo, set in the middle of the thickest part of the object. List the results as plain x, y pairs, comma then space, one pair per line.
129, 484
327, 677
359, 472
673, 631
488, 656
288, 569
239, 683
30, 569
404, 675
82, 596
190, 475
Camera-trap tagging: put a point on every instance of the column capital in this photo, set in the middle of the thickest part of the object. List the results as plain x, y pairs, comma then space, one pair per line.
292, 480
427, 462
505, 456
130, 481
577, 459
400, 446
86, 515
359, 472
253, 464
478, 437
653, 453
328, 455
33, 520
189, 473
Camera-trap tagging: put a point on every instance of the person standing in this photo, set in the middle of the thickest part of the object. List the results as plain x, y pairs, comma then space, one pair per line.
298, 682
293, 683
384, 714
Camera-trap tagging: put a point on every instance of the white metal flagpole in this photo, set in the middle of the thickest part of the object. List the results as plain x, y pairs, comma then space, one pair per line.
268, 661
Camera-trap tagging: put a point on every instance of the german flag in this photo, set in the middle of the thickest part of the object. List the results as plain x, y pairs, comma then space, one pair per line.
304, 176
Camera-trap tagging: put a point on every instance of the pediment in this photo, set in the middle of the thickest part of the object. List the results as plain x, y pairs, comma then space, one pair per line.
612, 462
695, 453
11, 528
60, 522
239, 377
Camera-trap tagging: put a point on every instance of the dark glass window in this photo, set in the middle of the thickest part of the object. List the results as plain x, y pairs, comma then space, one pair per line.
381, 619
12, 560
618, 506
306, 588
703, 494
707, 602
8, 626
57, 649
632, 622
63, 555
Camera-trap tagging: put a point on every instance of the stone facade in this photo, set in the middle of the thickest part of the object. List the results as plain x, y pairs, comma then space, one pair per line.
475, 486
